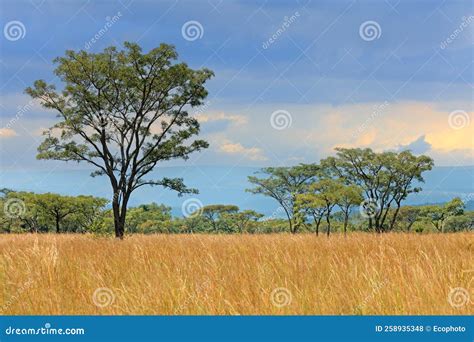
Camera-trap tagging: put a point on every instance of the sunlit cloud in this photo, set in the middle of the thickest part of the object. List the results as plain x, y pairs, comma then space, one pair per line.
252, 153
317, 129
7, 133
221, 116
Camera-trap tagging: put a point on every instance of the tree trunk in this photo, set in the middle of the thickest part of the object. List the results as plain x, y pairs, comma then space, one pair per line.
377, 225
394, 218
329, 224
318, 222
57, 225
121, 227
346, 220
383, 218
119, 220
290, 221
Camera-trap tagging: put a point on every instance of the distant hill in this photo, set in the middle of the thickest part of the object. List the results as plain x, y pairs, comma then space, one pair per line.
220, 184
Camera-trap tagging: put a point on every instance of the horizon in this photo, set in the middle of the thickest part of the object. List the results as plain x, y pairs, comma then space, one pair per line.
221, 185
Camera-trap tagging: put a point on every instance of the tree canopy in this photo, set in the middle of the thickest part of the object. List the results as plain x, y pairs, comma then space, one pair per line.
123, 111
283, 184
387, 178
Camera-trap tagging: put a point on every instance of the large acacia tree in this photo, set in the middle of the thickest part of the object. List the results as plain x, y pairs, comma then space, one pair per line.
123, 111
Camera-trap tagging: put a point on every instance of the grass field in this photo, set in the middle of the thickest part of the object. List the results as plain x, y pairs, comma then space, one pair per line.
231, 274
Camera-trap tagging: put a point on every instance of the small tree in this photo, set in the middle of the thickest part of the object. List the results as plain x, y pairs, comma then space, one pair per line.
26, 215
123, 112
438, 215
283, 184
57, 207
214, 212
89, 215
408, 215
327, 190
309, 204
348, 196
461, 222
242, 219
192, 224
147, 215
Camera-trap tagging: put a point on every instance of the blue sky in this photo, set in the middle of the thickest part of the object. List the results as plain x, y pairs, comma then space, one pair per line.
283, 93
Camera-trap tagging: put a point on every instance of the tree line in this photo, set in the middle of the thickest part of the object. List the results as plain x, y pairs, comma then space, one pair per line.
330, 205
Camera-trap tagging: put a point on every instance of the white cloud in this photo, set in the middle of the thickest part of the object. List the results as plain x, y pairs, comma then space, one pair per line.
221, 116
252, 153
7, 133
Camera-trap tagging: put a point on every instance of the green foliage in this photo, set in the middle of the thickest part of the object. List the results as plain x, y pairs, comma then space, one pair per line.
307, 194
438, 215
283, 184
123, 112
37, 213
242, 222
148, 218
27, 211
309, 206
386, 178
214, 213
462, 222
407, 217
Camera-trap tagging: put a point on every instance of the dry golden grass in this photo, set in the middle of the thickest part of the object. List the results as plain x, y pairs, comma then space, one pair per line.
205, 274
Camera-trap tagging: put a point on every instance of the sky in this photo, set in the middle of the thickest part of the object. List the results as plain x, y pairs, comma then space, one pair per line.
293, 80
